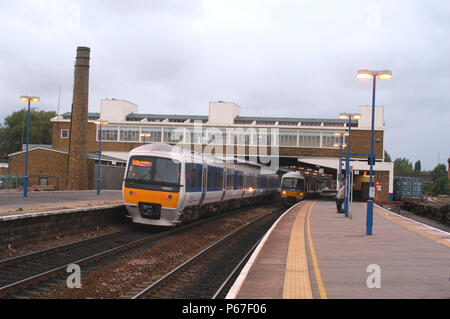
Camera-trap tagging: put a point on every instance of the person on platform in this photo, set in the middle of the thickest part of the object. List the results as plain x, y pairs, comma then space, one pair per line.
340, 197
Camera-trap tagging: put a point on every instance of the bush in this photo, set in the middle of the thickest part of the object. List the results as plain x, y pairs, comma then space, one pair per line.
440, 186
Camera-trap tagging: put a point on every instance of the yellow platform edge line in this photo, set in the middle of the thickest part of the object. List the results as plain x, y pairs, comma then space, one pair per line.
320, 286
296, 281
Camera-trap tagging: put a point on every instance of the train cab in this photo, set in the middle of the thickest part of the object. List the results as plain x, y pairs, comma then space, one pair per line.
292, 188
151, 188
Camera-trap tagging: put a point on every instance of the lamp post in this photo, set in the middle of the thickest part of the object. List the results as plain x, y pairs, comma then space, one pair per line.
368, 74
144, 135
348, 116
99, 123
341, 145
28, 99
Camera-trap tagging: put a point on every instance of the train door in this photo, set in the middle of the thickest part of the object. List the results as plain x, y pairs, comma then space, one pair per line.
224, 183
204, 183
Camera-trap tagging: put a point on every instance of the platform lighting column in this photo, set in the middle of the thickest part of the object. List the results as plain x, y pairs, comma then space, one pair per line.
348, 116
341, 146
368, 74
145, 135
28, 99
99, 123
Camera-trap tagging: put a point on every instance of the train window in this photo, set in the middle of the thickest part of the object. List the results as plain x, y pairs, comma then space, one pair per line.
215, 178
301, 185
153, 170
166, 171
198, 180
290, 183
192, 177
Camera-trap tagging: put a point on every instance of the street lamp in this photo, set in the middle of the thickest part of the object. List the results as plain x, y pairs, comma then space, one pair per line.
144, 135
341, 145
28, 99
368, 74
348, 116
99, 123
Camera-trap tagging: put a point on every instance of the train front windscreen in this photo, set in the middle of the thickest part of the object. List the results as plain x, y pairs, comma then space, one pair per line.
153, 173
296, 184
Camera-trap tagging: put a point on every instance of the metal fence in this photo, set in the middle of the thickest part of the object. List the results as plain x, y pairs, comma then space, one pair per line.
111, 177
16, 181
11, 181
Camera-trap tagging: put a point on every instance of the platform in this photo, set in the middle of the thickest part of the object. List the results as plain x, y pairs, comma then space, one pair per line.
13, 205
313, 252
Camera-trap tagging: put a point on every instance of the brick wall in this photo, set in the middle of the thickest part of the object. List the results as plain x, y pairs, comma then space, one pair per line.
383, 178
47, 162
41, 162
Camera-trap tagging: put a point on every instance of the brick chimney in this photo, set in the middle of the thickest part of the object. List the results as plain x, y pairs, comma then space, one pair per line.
77, 167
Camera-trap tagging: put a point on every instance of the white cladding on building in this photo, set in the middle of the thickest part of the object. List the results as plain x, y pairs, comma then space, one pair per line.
223, 112
116, 110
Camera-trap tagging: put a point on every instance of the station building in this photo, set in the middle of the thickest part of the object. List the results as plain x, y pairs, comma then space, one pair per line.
304, 144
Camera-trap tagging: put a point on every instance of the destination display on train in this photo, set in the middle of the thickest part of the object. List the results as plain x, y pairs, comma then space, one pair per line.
141, 163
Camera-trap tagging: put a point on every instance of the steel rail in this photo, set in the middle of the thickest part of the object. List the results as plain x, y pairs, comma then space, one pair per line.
200, 254
235, 270
10, 288
56, 249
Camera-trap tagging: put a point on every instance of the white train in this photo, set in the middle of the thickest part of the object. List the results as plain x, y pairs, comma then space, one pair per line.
165, 185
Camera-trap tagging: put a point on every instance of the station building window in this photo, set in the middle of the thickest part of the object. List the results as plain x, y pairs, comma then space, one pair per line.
129, 134
263, 137
240, 136
155, 134
194, 136
64, 133
173, 135
109, 133
288, 138
311, 124
243, 122
265, 122
329, 139
309, 139
216, 136
333, 124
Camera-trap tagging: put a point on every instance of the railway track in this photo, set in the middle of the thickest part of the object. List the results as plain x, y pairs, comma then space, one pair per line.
211, 272
30, 275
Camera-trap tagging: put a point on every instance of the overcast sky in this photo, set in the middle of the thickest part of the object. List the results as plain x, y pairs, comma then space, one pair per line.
271, 57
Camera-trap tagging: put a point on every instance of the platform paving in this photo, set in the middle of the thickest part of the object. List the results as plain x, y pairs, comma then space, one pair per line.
13, 204
406, 259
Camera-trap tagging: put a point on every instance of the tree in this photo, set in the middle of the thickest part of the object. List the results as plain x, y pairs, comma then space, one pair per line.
387, 157
440, 169
402, 166
417, 167
440, 186
13, 135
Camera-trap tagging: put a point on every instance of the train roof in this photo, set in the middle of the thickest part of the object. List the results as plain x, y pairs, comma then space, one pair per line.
293, 175
179, 153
